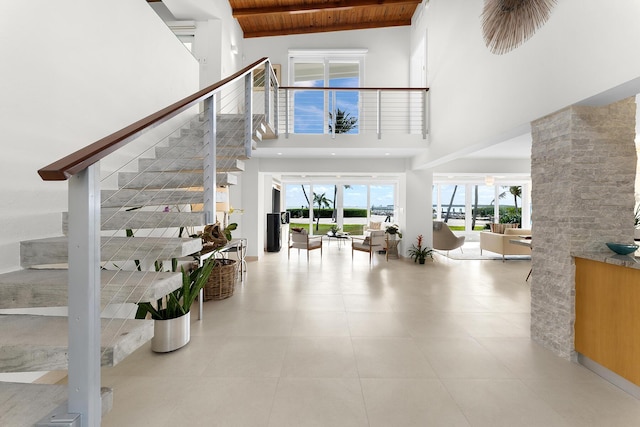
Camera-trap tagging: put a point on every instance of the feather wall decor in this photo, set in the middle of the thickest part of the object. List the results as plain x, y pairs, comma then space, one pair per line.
506, 24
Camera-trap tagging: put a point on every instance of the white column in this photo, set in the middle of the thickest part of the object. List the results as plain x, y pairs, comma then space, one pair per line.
418, 208
526, 205
255, 215
469, 194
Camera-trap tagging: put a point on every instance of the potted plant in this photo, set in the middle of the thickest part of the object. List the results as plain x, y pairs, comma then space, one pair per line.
171, 315
418, 253
334, 230
393, 231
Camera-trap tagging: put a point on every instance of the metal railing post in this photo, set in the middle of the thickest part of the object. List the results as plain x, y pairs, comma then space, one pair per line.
248, 113
333, 114
276, 110
379, 111
425, 118
286, 113
267, 91
84, 296
210, 160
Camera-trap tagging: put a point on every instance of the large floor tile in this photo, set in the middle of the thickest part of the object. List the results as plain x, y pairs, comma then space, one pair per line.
375, 325
324, 357
318, 402
247, 357
391, 358
224, 402
528, 360
461, 358
410, 403
502, 403
588, 404
320, 324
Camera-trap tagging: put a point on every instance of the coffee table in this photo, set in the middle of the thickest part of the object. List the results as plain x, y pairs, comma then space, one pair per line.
340, 237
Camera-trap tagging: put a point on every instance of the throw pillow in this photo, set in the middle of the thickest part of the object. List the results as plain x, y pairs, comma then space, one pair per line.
374, 225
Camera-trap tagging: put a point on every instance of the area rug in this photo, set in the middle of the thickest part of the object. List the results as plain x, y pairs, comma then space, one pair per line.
471, 251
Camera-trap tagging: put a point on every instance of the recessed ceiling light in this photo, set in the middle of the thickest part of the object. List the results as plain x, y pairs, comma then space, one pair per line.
387, 154
279, 154
333, 154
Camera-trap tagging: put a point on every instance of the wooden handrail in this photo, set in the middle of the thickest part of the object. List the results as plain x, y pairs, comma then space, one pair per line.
413, 89
70, 165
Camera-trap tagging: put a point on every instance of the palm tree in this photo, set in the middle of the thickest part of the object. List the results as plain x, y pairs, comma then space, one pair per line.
322, 201
515, 191
446, 217
344, 122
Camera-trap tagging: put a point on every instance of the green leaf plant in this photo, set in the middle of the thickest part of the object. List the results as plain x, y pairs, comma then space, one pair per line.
178, 302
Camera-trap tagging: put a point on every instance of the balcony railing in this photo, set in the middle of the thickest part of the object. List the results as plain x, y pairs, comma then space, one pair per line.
330, 110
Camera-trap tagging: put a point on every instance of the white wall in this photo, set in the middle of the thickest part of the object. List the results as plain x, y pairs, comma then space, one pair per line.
478, 98
73, 72
386, 63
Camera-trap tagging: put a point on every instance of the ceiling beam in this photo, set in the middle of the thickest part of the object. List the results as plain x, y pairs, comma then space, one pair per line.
319, 7
327, 28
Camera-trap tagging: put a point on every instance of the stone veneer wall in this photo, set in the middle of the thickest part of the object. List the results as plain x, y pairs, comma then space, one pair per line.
583, 167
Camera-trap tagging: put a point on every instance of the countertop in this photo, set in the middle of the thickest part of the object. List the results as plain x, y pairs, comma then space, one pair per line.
609, 257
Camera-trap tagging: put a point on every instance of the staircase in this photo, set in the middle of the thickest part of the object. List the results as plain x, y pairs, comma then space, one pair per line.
174, 177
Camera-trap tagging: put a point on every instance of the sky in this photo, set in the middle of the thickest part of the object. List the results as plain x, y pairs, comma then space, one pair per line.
309, 105
354, 197
486, 195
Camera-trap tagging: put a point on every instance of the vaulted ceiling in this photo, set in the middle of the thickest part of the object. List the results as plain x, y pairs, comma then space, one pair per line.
262, 18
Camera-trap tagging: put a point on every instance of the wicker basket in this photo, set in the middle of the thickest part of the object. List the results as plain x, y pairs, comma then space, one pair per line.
222, 280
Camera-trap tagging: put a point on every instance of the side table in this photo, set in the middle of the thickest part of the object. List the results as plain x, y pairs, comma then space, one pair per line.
392, 248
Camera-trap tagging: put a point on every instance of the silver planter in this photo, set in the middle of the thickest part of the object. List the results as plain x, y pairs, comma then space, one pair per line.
171, 334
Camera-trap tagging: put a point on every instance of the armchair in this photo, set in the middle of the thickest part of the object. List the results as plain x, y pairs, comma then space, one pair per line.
444, 239
300, 239
373, 242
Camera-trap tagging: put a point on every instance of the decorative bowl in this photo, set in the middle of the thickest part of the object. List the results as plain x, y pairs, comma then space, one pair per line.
621, 248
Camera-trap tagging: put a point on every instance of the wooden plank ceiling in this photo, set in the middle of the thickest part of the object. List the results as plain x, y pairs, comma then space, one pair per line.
262, 18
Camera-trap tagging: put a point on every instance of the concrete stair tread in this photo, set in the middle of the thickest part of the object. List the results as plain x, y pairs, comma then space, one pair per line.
187, 165
48, 287
192, 151
26, 404
133, 198
141, 219
39, 343
162, 180
54, 250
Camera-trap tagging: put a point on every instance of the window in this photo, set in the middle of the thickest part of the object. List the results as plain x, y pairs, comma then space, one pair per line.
317, 111
347, 206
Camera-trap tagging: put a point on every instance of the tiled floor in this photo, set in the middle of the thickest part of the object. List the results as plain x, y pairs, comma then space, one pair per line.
336, 342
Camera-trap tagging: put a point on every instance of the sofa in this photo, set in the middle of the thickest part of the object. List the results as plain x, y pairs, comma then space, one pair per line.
499, 242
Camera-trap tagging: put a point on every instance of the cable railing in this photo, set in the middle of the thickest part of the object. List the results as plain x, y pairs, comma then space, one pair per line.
353, 111
130, 218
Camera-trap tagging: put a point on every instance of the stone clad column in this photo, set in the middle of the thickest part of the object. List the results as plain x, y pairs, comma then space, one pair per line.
583, 167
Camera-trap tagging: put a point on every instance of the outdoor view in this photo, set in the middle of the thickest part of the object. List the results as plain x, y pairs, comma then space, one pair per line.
310, 116
483, 201
342, 207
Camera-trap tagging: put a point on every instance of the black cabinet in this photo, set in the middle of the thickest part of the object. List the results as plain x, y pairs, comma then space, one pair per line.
273, 232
